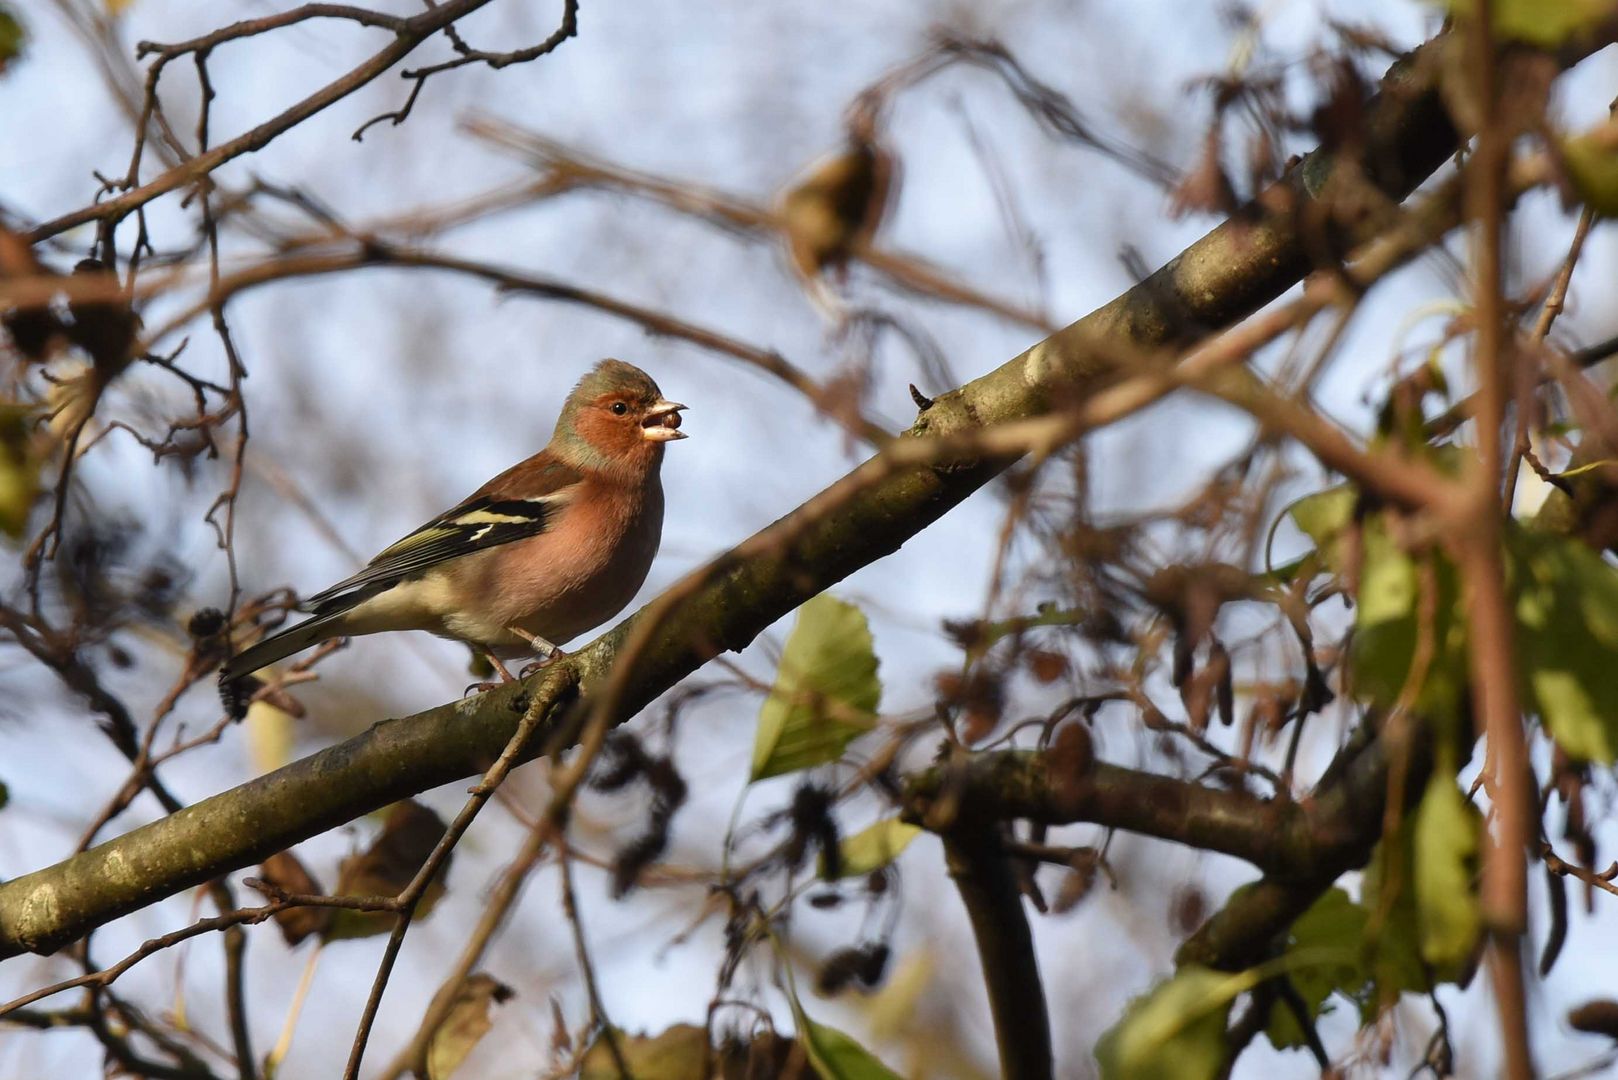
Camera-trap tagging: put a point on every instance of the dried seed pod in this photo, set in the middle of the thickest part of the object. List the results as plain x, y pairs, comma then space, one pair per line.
1599, 1017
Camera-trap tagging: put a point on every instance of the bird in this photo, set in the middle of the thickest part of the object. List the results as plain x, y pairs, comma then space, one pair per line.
554, 546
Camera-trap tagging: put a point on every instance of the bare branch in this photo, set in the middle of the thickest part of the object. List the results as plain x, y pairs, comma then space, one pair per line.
408, 35
977, 862
567, 168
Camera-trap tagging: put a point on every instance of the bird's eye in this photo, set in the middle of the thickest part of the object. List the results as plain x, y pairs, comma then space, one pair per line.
619, 408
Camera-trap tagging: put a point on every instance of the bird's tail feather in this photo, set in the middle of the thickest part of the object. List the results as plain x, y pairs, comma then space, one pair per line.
279, 646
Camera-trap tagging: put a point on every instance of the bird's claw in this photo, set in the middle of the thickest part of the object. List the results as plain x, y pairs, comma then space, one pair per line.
538, 665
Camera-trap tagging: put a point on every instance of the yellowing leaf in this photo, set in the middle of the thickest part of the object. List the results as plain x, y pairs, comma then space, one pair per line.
680, 1053
1446, 848
19, 470
1388, 583
1176, 1030
12, 38
1322, 517
825, 694
889, 1011
837, 207
875, 846
1592, 166
72, 399
466, 1023
1544, 23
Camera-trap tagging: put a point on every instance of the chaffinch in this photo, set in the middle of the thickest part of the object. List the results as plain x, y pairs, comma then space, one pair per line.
552, 547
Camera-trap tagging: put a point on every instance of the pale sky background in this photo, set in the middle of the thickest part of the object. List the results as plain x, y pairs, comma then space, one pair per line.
389, 395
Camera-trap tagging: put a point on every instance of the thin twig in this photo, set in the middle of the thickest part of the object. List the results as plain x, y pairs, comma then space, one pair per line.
373, 253
1504, 891
569, 167
542, 708
598, 1011
414, 31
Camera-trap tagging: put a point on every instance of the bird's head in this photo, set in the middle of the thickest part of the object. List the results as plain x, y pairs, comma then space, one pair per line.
616, 419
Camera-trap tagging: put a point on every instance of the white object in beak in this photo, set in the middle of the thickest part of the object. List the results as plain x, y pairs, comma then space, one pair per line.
662, 423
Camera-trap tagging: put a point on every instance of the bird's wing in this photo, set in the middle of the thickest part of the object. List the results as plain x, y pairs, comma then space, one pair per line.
494, 515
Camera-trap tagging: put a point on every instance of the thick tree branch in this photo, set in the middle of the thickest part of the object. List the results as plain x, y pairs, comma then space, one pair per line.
1292, 840
1351, 796
1241, 265
1022, 1030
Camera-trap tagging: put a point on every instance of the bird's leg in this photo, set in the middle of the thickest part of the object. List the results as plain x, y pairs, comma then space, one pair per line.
535, 642
500, 669
539, 645
494, 661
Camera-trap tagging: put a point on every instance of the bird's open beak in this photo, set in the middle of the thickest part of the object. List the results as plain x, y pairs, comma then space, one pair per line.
662, 423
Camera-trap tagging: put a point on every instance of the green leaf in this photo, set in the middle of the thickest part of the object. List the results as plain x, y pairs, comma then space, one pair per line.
1388, 582
1322, 517
1288, 572
1446, 851
837, 1056
874, 847
834, 1054
1543, 23
1567, 634
1388, 603
1388, 628
825, 694
1567, 641
1333, 925
1392, 929
1368, 952
1176, 1030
